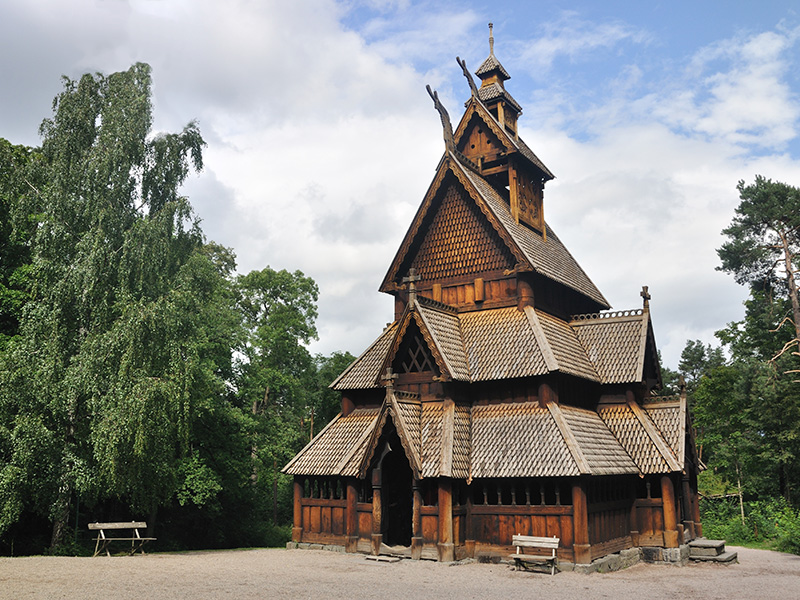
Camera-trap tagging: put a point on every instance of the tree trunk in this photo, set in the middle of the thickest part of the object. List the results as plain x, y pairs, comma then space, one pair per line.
741, 499
151, 521
791, 282
61, 512
275, 491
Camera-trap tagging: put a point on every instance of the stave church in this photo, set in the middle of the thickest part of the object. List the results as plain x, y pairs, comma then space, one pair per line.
505, 397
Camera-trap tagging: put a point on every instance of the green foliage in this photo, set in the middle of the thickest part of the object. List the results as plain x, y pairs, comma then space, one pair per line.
140, 377
771, 521
18, 179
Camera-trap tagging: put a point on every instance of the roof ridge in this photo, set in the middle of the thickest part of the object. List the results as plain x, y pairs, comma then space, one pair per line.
541, 339
607, 314
569, 439
430, 332
655, 435
436, 305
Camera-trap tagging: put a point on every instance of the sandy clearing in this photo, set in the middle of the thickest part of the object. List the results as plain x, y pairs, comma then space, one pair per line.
275, 573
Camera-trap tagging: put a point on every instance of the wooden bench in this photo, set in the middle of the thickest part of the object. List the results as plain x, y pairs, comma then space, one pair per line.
537, 543
104, 539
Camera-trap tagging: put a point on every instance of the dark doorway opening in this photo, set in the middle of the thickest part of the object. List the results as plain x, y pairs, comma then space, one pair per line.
397, 494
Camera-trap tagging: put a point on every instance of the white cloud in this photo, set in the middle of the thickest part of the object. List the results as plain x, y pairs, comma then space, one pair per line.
322, 140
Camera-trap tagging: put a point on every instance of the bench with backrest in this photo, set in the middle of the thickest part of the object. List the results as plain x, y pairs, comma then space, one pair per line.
540, 545
107, 533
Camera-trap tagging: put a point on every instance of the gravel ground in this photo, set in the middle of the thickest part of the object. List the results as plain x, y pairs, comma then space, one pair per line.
297, 574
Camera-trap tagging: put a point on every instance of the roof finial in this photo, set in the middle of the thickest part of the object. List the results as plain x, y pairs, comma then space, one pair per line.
491, 39
411, 280
646, 297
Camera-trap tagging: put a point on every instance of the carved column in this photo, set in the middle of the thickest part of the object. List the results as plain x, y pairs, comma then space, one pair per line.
671, 536
446, 547
580, 520
377, 536
297, 525
351, 516
416, 522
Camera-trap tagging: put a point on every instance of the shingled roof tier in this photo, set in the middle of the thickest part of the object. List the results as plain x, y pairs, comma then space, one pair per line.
508, 343
520, 439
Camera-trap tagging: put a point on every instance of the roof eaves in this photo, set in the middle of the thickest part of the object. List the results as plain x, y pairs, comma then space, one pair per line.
311, 443
353, 364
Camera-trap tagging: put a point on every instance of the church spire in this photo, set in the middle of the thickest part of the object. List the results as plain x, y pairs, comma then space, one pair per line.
492, 91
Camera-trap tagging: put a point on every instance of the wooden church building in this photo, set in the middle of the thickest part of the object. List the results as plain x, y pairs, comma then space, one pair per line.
505, 398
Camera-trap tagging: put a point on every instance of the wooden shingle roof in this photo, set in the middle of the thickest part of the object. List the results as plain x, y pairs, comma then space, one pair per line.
615, 342
338, 448
506, 343
520, 439
546, 256
364, 372
640, 437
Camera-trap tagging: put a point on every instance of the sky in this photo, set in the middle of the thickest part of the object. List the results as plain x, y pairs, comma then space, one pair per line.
322, 140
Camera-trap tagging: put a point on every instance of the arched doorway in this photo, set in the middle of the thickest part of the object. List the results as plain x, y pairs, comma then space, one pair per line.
397, 498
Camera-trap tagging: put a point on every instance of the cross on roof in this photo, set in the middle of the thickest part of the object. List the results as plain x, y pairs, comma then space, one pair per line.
411, 280
646, 296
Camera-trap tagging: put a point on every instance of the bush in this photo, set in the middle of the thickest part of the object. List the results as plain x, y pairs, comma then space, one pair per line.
771, 521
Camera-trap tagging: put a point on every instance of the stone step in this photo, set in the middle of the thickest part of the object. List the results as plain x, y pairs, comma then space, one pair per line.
724, 558
704, 547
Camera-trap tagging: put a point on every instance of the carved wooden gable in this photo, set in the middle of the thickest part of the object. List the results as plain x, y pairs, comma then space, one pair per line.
459, 241
479, 142
413, 354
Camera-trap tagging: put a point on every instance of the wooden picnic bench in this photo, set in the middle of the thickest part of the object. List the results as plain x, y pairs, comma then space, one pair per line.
539, 544
104, 539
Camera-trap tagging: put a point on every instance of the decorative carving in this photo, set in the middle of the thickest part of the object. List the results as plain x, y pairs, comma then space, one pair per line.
447, 127
473, 88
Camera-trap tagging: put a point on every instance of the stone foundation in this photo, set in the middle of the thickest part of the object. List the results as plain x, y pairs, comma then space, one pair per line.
606, 564
309, 546
666, 556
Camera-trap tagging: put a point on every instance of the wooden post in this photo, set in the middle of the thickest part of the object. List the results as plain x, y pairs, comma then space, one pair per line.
580, 519
524, 294
446, 547
698, 526
670, 514
348, 405
297, 525
377, 536
686, 506
416, 522
469, 543
634, 518
547, 394
351, 516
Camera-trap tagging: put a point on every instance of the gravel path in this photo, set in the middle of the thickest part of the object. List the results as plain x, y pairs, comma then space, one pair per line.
298, 574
